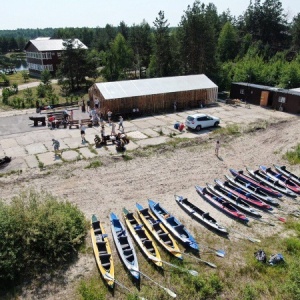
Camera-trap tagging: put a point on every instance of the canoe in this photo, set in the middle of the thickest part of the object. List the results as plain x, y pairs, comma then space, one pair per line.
244, 195
142, 237
102, 251
221, 204
248, 187
234, 200
200, 216
255, 183
124, 246
287, 173
174, 226
159, 231
274, 184
282, 179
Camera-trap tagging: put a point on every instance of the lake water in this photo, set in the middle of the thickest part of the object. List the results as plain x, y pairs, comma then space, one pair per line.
21, 65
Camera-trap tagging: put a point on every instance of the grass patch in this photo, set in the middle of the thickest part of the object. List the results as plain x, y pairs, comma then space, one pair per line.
11, 173
293, 156
17, 78
91, 289
94, 164
127, 157
232, 129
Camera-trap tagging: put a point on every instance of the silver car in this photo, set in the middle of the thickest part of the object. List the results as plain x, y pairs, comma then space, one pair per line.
199, 121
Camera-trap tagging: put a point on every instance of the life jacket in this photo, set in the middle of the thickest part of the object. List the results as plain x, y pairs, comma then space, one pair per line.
276, 259
261, 256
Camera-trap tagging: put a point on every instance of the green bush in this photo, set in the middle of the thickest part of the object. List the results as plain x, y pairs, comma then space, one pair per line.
38, 233
293, 156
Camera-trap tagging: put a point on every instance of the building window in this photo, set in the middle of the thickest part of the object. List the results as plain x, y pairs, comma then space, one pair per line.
281, 99
242, 91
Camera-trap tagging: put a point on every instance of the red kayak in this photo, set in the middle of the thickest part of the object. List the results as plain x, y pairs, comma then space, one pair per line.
244, 195
285, 181
255, 183
221, 204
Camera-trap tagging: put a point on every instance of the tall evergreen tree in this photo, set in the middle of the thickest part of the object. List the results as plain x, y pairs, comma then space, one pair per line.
141, 42
295, 31
198, 41
161, 60
74, 64
227, 43
267, 22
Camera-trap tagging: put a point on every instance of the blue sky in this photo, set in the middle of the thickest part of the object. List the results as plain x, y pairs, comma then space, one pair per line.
92, 13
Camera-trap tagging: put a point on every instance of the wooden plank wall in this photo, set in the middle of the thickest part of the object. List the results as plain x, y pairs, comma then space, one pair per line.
158, 103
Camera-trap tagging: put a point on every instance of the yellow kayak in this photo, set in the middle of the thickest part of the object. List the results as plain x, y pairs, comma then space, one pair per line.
102, 251
142, 237
159, 231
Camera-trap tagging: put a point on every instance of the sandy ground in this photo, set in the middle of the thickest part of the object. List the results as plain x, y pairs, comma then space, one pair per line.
119, 184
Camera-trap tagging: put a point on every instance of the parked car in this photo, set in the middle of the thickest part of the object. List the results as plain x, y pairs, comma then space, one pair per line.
199, 121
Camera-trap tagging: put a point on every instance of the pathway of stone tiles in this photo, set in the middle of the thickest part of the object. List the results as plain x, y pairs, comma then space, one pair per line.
32, 147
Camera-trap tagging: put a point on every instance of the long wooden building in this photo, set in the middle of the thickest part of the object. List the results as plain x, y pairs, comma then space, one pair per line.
155, 95
267, 96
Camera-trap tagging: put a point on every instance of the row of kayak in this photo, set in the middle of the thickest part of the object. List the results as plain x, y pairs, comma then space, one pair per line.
235, 197
240, 196
148, 227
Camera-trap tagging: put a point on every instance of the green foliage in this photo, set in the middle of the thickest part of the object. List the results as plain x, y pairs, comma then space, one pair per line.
232, 129
205, 286
25, 76
161, 59
227, 43
38, 233
293, 156
46, 77
94, 164
127, 157
91, 289
293, 245
292, 287
197, 34
41, 91
249, 293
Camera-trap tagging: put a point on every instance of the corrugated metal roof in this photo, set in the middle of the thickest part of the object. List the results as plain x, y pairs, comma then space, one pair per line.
54, 45
295, 90
141, 87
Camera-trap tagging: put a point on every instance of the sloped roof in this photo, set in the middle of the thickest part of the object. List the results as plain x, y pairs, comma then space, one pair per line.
46, 44
152, 86
269, 88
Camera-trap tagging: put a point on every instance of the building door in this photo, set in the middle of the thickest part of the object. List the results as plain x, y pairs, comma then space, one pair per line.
264, 98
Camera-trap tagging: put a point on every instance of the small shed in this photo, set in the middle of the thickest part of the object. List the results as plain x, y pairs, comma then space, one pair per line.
267, 96
154, 95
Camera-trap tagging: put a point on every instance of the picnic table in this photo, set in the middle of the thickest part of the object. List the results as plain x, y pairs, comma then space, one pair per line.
36, 120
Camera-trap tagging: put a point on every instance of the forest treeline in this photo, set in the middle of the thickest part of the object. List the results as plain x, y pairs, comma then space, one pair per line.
259, 46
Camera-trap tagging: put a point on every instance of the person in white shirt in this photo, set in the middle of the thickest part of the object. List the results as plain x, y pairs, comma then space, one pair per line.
121, 123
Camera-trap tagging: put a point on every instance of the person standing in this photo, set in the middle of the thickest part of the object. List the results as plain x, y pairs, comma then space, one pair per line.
82, 132
88, 103
217, 148
113, 129
109, 114
66, 115
83, 105
103, 134
56, 145
121, 123
96, 102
